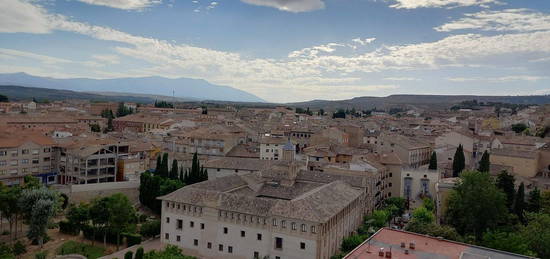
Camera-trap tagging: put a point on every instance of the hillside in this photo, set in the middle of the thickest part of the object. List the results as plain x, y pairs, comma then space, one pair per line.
179, 87
420, 101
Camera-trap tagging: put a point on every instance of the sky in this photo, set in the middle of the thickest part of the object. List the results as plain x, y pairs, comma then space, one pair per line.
289, 50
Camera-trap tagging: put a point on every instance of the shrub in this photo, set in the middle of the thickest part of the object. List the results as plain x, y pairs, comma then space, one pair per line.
19, 248
73, 247
128, 255
150, 228
41, 255
139, 253
132, 239
67, 227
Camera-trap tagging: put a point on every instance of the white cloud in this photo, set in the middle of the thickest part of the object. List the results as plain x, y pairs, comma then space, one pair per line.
111, 59
412, 4
123, 4
502, 79
520, 20
24, 54
314, 51
294, 6
364, 41
402, 79
22, 16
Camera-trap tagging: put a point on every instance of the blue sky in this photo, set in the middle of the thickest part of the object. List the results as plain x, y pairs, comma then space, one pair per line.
289, 50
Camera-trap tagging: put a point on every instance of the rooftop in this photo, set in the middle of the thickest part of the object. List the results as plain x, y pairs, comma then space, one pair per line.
399, 242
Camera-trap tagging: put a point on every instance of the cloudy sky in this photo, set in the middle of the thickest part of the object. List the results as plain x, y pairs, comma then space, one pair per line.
289, 50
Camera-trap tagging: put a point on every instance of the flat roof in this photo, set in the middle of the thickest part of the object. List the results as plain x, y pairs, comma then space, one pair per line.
424, 247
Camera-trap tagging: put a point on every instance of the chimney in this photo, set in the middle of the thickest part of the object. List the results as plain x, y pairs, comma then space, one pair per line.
381, 252
411, 245
388, 254
402, 244
406, 251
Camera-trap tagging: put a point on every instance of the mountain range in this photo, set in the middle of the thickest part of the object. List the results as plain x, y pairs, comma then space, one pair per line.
187, 88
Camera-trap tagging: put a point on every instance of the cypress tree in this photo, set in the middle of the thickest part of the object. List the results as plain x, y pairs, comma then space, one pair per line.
433, 161
164, 165
459, 162
174, 170
505, 182
159, 164
519, 204
533, 204
484, 163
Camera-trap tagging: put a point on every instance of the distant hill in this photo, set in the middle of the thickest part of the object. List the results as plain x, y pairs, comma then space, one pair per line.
16, 93
420, 101
181, 87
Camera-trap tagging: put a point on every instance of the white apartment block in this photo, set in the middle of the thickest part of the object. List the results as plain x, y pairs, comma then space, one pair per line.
279, 212
271, 148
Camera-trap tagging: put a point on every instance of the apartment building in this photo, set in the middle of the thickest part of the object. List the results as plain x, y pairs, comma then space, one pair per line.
23, 154
280, 212
271, 148
90, 161
417, 184
412, 152
141, 123
205, 142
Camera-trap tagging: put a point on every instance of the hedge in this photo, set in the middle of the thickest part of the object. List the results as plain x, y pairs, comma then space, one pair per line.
132, 239
67, 227
110, 235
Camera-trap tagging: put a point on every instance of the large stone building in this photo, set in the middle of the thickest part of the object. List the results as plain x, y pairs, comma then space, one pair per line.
281, 212
412, 152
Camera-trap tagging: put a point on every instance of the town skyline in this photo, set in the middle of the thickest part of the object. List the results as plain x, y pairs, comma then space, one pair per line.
323, 49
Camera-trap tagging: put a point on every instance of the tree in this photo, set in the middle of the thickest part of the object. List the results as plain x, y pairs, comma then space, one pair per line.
433, 161
164, 165
99, 215
545, 202
321, 112
174, 170
380, 218
505, 182
78, 215
196, 173
120, 210
537, 234
506, 241
41, 206
159, 164
128, 255
95, 127
519, 204
170, 252
109, 127
339, 114
429, 204
399, 203
484, 163
31, 182
139, 253
350, 243
458, 161
423, 215
3, 99
123, 110
9, 206
519, 127
475, 204
533, 203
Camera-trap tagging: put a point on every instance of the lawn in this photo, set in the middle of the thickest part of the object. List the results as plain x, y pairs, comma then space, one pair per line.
73, 247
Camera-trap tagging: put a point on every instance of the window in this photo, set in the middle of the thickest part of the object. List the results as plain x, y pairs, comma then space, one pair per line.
195, 242
35, 161
3, 153
24, 151
179, 225
225, 230
202, 225
166, 236
220, 247
274, 222
14, 153
178, 238
259, 236
304, 229
191, 224
13, 162
243, 234
3, 163
293, 225
278, 243
47, 150
391, 174
209, 245
35, 151
283, 223
313, 229
256, 255
167, 219
277, 257
389, 184
302, 245
230, 249
46, 159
